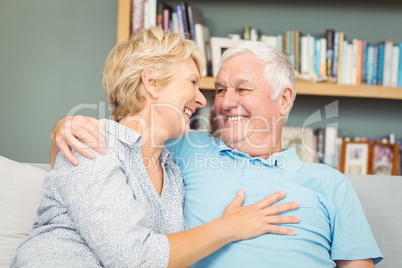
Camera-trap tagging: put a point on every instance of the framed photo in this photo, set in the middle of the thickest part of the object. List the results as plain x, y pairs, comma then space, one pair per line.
385, 159
355, 157
218, 46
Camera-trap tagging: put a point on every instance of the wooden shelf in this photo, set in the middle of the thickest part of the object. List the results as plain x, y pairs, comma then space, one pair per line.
302, 87
331, 89
123, 20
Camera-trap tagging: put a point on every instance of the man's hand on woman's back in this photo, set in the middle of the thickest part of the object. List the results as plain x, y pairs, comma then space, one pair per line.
68, 132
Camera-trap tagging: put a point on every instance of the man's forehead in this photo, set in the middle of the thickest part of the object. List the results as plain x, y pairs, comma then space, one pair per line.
234, 82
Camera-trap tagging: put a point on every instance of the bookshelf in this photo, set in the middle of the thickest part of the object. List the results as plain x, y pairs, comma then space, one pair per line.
331, 89
303, 87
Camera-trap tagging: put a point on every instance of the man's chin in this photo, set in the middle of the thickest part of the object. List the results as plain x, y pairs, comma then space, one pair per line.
232, 140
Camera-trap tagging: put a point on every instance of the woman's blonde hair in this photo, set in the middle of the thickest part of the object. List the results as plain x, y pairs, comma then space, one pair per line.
151, 48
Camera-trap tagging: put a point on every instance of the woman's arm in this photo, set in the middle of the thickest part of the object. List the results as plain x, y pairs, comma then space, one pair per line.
368, 263
107, 216
236, 223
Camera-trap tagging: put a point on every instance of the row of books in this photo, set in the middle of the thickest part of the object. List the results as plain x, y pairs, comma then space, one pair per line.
179, 19
184, 19
350, 156
333, 58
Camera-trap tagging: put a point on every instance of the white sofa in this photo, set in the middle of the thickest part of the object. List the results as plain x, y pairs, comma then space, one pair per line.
21, 192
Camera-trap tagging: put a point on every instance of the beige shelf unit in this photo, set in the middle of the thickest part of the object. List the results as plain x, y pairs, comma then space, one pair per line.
303, 88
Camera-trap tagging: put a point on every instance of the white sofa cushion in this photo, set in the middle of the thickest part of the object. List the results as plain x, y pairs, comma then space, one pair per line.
20, 195
381, 200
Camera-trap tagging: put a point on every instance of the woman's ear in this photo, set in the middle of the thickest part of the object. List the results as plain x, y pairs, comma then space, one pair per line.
149, 83
286, 101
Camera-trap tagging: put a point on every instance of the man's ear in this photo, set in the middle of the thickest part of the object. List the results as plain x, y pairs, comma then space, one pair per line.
286, 100
149, 83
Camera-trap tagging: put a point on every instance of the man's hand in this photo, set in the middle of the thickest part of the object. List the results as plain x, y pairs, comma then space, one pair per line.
68, 130
259, 218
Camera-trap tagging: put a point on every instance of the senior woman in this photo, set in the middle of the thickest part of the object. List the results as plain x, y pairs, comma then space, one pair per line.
125, 209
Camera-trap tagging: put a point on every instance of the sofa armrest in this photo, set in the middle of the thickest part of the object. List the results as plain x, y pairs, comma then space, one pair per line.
381, 199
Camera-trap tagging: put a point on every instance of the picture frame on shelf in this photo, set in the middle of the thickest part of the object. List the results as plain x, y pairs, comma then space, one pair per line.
355, 158
218, 46
385, 158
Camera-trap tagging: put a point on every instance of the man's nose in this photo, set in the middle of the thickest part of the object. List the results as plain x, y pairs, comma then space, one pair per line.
230, 100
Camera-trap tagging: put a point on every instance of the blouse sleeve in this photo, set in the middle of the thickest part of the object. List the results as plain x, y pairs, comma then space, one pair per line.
106, 214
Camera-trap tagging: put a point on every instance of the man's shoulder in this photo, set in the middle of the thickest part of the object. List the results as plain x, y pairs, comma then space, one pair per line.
193, 140
322, 172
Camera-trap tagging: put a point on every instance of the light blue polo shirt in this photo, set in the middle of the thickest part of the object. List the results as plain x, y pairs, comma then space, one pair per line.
332, 226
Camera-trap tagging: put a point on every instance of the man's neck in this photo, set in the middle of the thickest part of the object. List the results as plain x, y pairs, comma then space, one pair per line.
263, 150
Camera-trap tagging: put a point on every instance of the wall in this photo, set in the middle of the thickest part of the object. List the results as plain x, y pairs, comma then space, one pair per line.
52, 54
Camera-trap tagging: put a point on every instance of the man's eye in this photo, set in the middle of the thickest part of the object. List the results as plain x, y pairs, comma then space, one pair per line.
243, 91
220, 92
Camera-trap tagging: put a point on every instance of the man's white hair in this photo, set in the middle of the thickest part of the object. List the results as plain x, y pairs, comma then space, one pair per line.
279, 71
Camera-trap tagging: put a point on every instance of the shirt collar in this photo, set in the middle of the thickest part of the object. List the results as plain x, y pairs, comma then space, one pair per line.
122, 133
287, 159
129, 137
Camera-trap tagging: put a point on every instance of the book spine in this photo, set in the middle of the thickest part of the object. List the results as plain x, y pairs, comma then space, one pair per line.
146, 15
344, 62
152, 12
354, 62
370, 65
270, 40
359, 60
375, 69
184, 14
159, 14
394, 66
180, 21
284, 43
166, 19
291, 41
336, 57
287, 50
317, 56
348, 64
137, 16
400, 66
304, 54
323, 61
311, 44
191, 11
329, 35
175, 23
364, 62
380, 71
340, 58
297, 50
386, 76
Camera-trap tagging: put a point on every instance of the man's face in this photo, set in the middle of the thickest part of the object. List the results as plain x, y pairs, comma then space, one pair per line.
246, 115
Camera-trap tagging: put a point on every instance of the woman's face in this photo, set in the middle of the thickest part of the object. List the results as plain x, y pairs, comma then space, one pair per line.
179, 99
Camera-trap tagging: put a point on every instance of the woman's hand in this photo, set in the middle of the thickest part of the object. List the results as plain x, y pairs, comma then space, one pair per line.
262, 217
68, 130
236, 223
